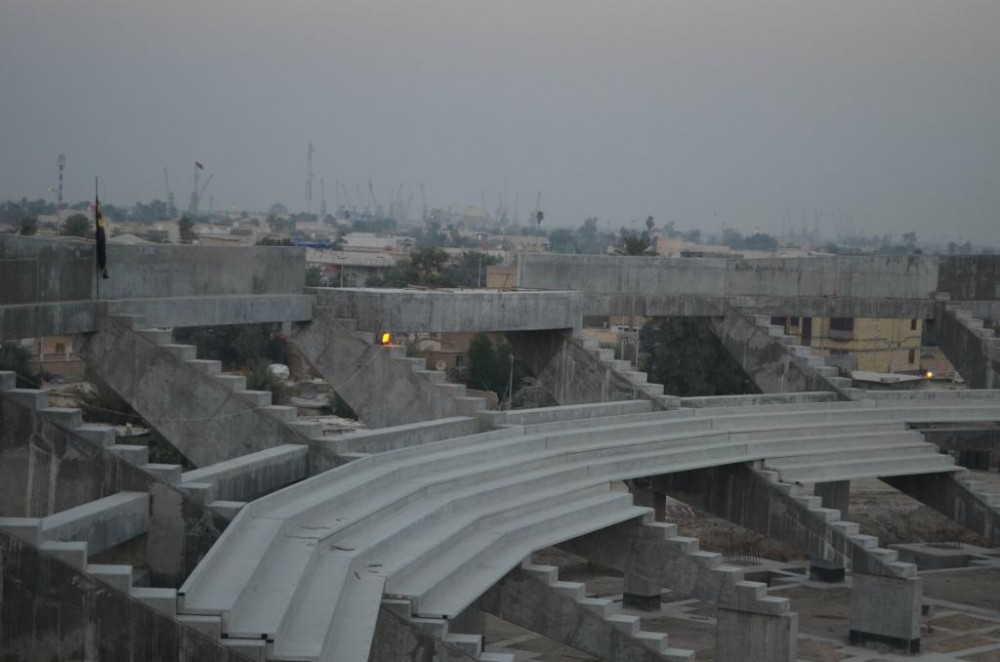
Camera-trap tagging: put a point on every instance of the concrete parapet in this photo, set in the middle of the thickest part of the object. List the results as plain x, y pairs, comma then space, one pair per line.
543, 415
249, 476
402, 436
972, 349
885, 611
758, 399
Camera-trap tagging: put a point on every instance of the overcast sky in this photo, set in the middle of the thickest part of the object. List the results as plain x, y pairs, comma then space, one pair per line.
875, 116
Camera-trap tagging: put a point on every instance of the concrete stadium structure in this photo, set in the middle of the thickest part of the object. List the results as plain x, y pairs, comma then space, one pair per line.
392, 542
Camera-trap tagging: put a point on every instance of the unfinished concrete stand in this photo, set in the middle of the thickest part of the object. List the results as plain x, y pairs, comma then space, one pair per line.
743, 635
886, 610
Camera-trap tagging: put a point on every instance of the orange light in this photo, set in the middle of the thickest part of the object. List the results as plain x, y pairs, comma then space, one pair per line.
929, 374
386, 337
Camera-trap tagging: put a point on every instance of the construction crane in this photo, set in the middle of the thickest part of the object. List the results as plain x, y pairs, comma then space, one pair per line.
171, 207
198, 191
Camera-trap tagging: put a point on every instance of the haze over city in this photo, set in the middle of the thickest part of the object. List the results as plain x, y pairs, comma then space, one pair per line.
863, 117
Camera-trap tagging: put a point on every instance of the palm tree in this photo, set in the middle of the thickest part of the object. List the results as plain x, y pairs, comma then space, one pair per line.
632, 243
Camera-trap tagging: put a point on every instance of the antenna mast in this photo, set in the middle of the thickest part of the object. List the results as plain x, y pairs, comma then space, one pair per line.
62, 166
309, 179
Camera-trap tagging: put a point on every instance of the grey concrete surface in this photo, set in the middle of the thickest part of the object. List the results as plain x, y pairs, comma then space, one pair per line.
972, 349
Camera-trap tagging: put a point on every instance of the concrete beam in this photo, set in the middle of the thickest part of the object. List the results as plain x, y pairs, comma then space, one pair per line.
452, 310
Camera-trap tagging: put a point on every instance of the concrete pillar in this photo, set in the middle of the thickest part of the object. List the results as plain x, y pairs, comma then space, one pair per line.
834, 494
886, 611
639, 593
744, 636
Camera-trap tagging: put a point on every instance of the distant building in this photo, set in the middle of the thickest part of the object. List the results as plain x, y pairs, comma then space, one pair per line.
350, 268
860, 343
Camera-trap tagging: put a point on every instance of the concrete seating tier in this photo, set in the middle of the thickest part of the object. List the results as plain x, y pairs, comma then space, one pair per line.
441, 522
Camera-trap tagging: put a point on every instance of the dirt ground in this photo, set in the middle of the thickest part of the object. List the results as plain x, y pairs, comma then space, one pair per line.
962, 620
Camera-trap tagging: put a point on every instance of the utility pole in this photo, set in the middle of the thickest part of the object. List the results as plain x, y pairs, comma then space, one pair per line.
62, 166
309, 178
322, 199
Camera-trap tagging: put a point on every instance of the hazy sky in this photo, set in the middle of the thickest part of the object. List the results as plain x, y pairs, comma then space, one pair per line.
873, 115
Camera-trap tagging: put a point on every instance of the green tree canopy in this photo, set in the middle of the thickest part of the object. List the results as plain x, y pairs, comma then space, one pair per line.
684, 355
76, 225
634, 243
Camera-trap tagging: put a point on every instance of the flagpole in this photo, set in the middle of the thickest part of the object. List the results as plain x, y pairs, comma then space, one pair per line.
97, 211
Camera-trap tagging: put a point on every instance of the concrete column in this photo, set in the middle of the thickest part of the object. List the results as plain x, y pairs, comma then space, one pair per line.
639, 593
836, 495
743, 636
886, 611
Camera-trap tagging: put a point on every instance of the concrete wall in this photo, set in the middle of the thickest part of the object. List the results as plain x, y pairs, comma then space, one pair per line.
50, 285
966, 277
46, 468
51, 611
400, 640
406, 311
882, 277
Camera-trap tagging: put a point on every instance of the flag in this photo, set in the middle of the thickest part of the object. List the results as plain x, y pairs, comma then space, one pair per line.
102, 242
198, 165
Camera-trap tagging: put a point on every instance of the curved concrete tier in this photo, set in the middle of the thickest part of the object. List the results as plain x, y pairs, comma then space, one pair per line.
440, 523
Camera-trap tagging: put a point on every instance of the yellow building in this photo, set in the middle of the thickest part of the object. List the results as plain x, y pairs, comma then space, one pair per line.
862, 343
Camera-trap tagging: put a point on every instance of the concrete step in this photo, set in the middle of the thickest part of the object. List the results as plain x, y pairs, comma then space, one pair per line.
308, 429
603, 354
233, 382
470, 644
32, 398
860, 468
102, 524
826, 371
256, 398
167, 473
650, 388
116, 576
433, 376
183, 352
414, 362
282, 412
634, 376
158, 336
163, 600
8, 380
590, 343
207, 366
250, 475
469, 405
840, 382
73, 552
101, 435
66, 416
133, 454
452, 390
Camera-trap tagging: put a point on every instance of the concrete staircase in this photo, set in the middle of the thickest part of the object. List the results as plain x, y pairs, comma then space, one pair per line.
971, 345
605, 609
804, 353
847, 545
471, 645
358, 369
259, 400
640, 380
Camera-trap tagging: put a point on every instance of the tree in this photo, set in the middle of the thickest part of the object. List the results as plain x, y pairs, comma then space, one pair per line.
562, 241
76, 225
590, 240
17, 359
314, 276
631, 242
469, 270
685, 356
186, 227
650, 224
28, 227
